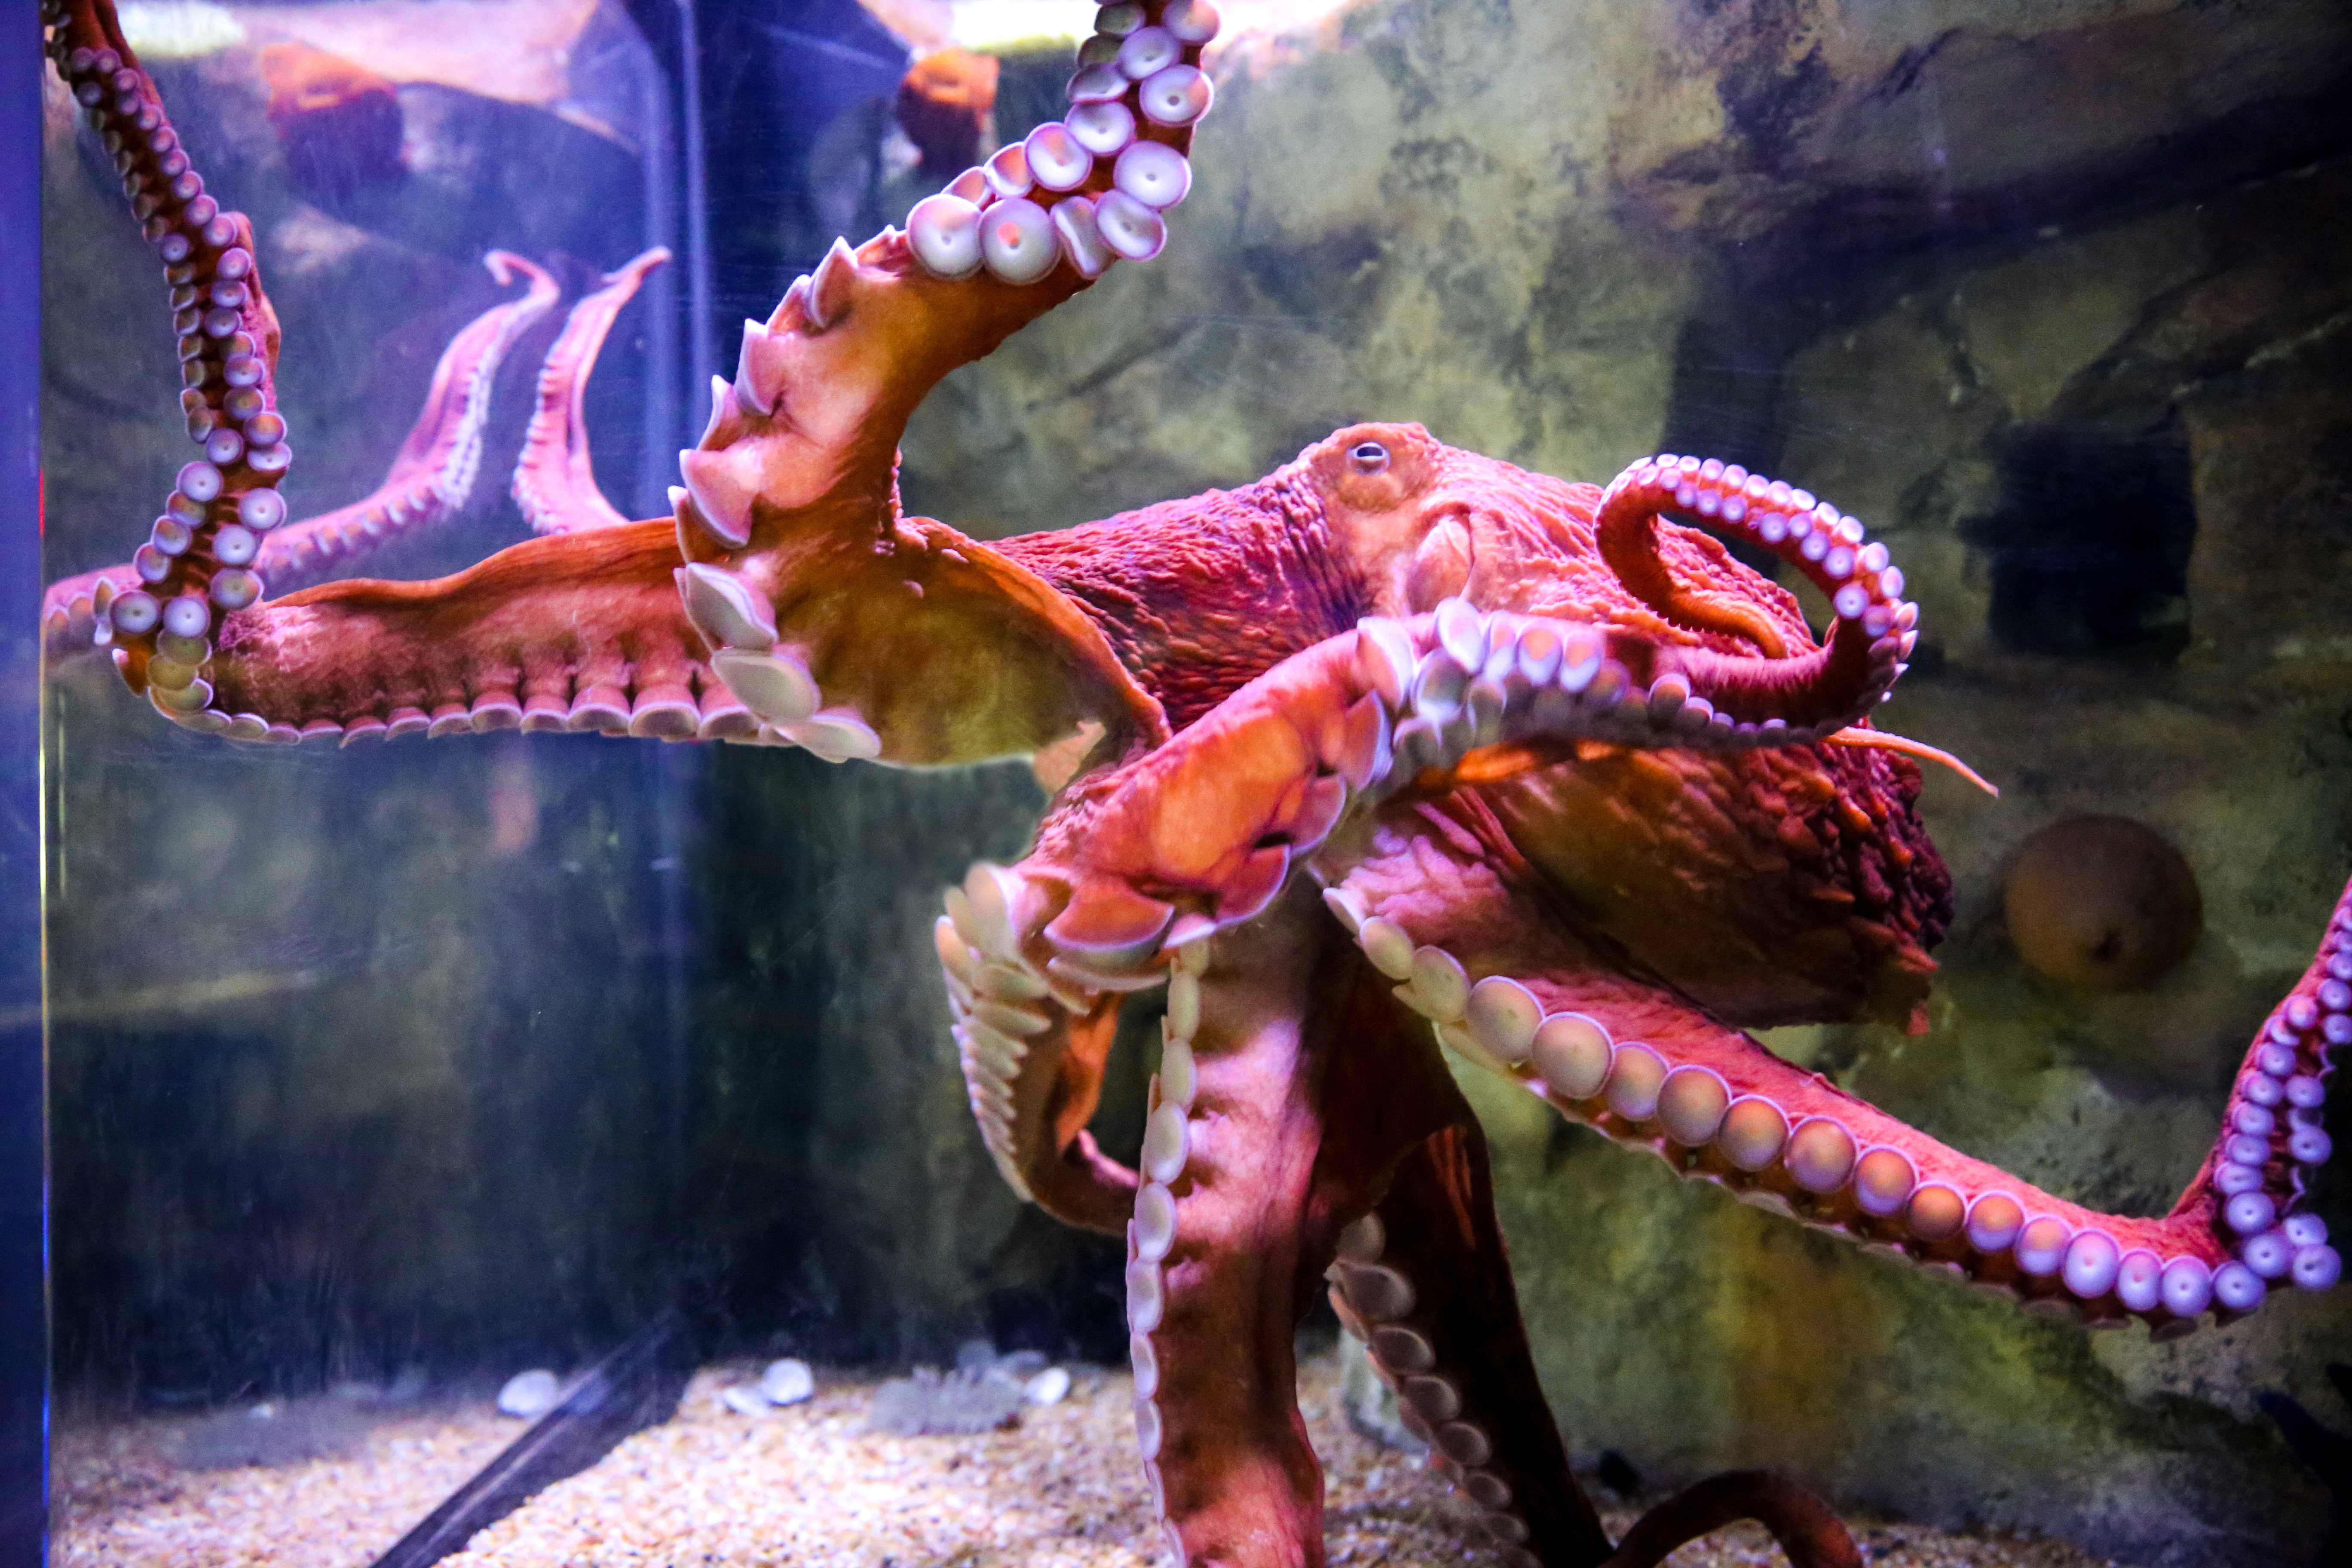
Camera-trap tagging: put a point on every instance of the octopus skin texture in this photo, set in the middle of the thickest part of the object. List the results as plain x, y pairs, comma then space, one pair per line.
1398, 753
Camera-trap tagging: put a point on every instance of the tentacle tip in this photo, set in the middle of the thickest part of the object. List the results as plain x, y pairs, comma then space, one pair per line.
1918, 750
637, 266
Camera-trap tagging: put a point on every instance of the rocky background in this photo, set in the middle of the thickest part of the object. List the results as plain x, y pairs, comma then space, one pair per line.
2050, 294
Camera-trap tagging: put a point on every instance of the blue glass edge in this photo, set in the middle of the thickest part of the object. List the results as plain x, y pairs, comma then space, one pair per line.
23, 1154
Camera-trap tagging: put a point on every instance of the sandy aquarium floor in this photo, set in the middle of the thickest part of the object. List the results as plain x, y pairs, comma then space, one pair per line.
808, 1486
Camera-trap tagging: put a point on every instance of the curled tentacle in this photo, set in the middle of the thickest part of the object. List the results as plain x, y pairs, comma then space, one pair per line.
1807, 1530
1221, 815
554, 481
1841, 681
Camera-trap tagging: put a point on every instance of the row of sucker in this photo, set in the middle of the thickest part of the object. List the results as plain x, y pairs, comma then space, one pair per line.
770, 679
1012, 983
198, 564
1151, 1234
1093, 186
1000, 999
567, 705
420, 489
1814, 1168
1375, 1301
1411, 696
2274, 1138
651, 713
1462, 679
1832, 548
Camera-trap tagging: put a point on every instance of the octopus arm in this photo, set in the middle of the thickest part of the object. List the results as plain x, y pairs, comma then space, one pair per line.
554, 482
573, 632
1417, 1269
951, 651
430, 479
1303, 1137
590, 631
1524, 996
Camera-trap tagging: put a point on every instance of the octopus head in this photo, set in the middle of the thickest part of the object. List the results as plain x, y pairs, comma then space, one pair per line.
1421, 522
1394, 512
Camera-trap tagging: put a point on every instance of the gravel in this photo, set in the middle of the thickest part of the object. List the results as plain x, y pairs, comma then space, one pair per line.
811, 1485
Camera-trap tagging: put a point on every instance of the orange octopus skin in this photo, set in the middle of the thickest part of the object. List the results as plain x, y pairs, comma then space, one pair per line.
1396, 754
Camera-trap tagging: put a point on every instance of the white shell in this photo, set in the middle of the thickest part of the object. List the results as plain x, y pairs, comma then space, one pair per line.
788, 1382
528, 1394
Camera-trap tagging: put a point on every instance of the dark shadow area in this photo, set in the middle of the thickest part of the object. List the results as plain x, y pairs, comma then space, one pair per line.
2089, 543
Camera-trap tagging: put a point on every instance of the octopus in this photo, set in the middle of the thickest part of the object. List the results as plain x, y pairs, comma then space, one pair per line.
1397, 756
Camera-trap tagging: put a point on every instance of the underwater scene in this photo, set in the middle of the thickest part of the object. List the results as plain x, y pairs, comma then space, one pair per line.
999, 781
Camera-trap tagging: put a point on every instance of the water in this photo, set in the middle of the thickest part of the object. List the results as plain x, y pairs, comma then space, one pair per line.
441, 1061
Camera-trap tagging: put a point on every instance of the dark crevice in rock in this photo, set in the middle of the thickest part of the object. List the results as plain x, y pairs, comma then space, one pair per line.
2089, 543
1881, 226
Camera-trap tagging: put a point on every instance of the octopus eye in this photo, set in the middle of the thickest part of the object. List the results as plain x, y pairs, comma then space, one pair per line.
1368, 456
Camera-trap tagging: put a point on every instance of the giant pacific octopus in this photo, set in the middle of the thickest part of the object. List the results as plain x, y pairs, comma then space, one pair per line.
1397, 753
